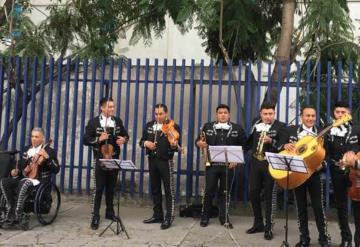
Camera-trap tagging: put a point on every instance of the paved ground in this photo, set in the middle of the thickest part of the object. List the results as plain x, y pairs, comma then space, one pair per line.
72, 229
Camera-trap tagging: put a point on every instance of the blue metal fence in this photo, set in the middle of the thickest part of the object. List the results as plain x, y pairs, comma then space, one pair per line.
61, 96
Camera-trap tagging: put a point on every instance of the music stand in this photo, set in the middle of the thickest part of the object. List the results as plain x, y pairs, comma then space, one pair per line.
286, 163
116, 164
227, 155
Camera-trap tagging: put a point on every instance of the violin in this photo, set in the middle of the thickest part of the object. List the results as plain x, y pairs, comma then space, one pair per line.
173, 136
354, 176
31, 170
107, 150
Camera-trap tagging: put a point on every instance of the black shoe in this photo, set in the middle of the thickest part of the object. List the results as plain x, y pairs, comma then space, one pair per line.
95, 222
268, 235
165, 225
303, 243
153, 220
345, 244
204, 222
255, 229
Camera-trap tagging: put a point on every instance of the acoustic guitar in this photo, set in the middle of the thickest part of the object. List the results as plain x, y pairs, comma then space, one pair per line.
311, 150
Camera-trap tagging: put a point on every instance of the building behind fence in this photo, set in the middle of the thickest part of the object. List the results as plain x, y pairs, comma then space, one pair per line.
61, 96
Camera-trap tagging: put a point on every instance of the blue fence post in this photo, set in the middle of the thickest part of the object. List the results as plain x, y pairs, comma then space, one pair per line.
350, 84
24, 105
199, 109
287, 92
42, 92
318, 91
164, 76
2, 83
16, 105
269, 82
5, 139
155, 82
328, 115
50, 98
144, 118
339, 81
65, 126
92, 109
229, 83
190, 139
220, 75
73, 126
82, 125
180, 122
126, 123
308, 77
135, 124
298, 80
119, 84
210, 99
173, 86
33, 94
258, 87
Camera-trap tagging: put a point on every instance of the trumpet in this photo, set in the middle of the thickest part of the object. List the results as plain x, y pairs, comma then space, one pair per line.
259, 154
204, 151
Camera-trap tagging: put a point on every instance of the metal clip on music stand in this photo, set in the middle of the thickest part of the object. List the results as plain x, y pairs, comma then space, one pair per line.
289, 164
116, 164
227, 155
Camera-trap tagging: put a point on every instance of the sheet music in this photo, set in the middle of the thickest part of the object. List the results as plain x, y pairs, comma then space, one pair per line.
115, 163
277, 161
234, 154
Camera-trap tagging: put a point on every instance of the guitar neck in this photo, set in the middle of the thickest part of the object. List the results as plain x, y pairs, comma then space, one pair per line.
324, 131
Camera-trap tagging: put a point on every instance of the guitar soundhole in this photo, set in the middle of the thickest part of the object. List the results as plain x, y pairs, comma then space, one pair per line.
301, 149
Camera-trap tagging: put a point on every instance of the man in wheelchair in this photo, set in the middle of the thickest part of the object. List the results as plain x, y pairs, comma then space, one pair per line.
37, 164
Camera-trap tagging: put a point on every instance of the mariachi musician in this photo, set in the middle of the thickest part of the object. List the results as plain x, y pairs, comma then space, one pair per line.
263, 138
105, 134
221, 132
161, 139
339, 141
288, 138
352, 160
38, 154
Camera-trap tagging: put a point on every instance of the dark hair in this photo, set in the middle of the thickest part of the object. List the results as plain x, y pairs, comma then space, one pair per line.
343, 103
307, 107
104, 100
161, 105
267, 105
38, 129
223, 106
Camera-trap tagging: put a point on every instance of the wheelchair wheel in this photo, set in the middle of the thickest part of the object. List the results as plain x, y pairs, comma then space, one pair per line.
2, 209
47, 203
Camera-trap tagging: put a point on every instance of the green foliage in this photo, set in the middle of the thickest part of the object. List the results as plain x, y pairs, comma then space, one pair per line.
249, 30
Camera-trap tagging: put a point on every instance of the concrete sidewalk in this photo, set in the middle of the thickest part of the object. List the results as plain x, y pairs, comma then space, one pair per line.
72, 229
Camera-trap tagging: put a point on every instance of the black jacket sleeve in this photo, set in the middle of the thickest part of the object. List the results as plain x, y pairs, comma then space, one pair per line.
144, 136
52, 162
90, 138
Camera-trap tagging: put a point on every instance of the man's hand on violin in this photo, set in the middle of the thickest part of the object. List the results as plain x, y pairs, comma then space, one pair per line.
14, 172
349, 159
232, 165
104, 136
43, 153
150, 145
201, 144
120, 140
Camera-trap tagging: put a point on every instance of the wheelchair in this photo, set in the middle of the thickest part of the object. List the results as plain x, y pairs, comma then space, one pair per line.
42, 200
